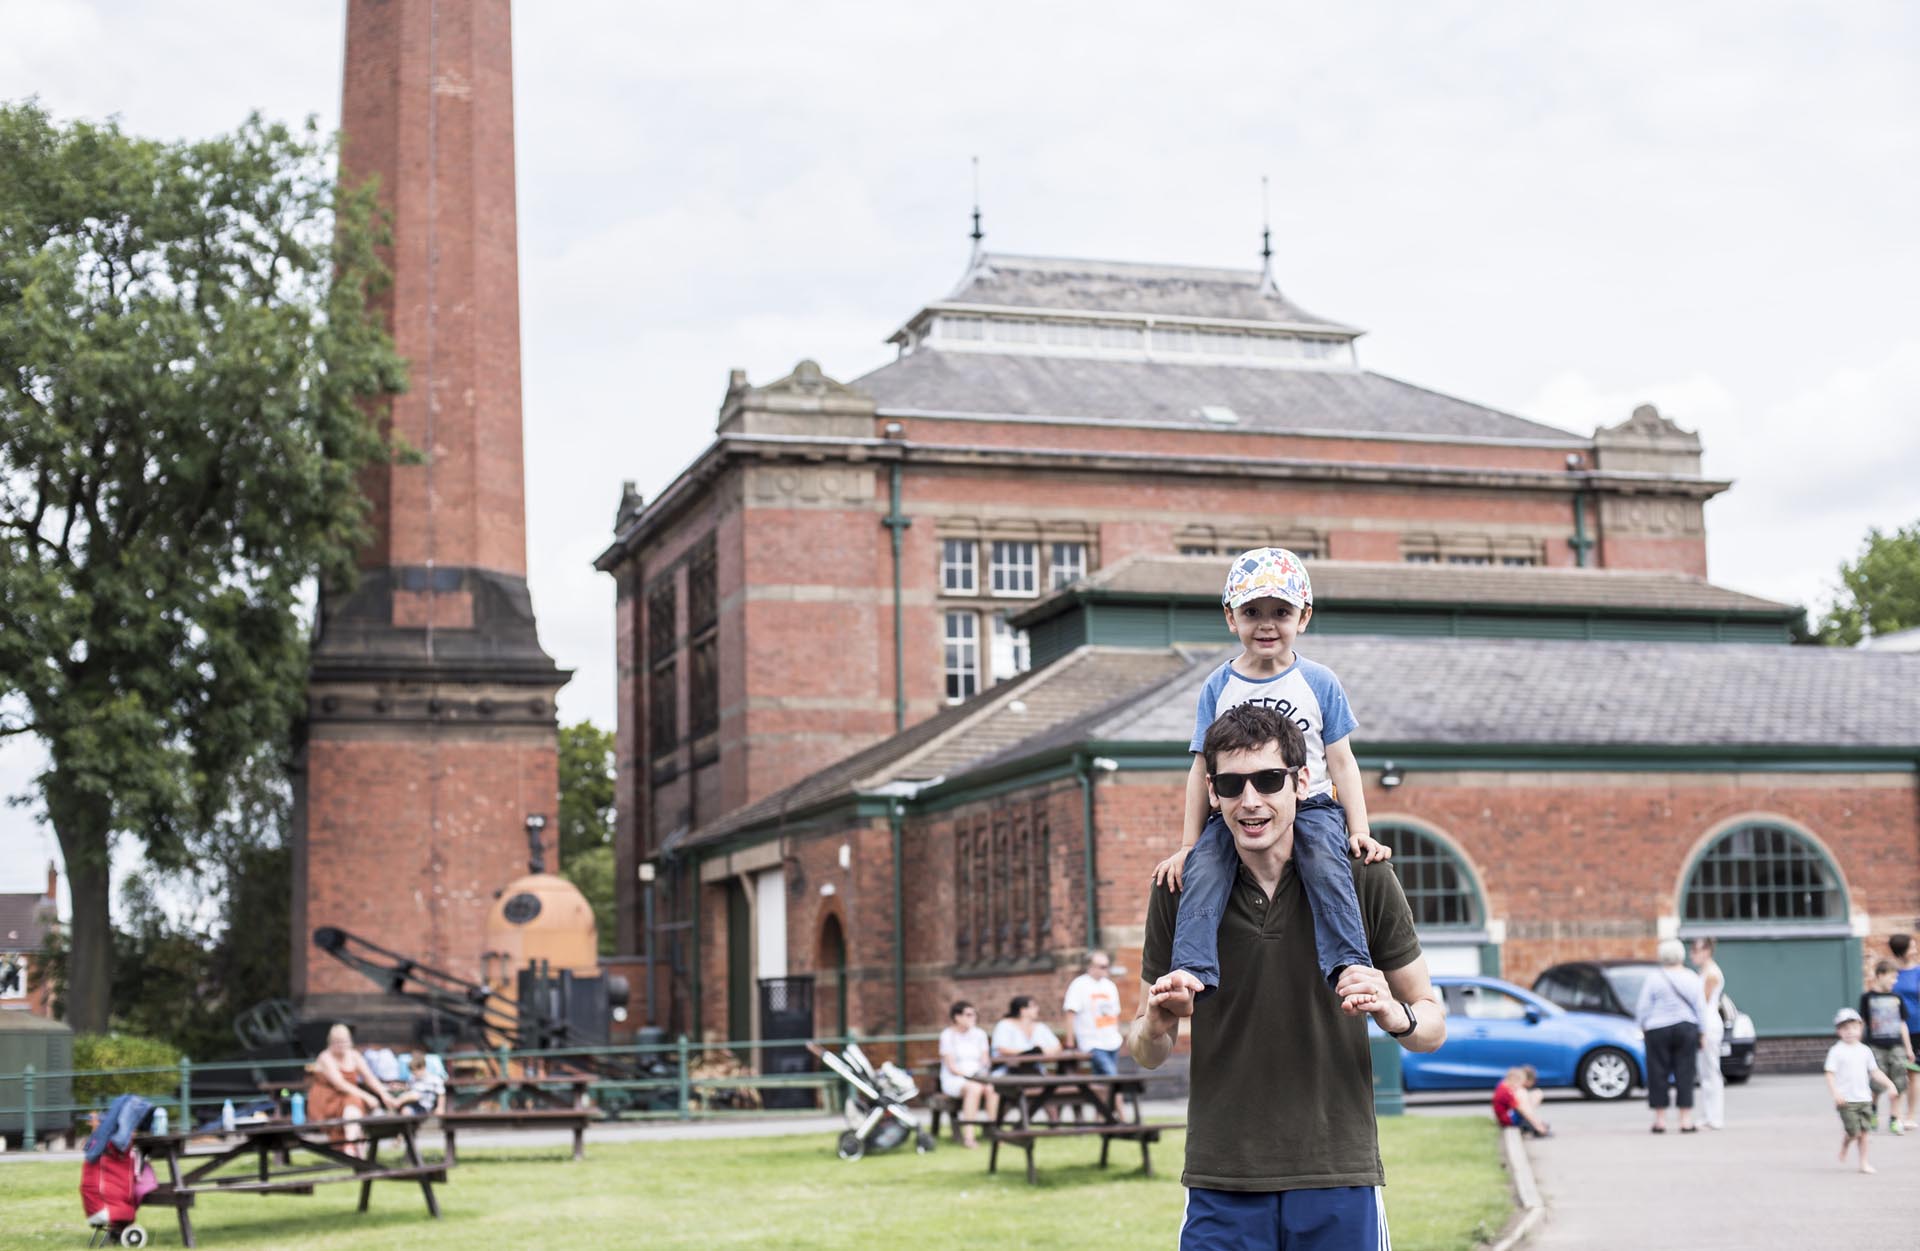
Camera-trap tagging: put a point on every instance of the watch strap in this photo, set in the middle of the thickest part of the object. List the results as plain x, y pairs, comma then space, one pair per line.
1413, 1022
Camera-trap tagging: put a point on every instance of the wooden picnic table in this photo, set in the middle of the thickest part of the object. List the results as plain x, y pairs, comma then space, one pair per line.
565, 1091
272, 1144
1023, 1095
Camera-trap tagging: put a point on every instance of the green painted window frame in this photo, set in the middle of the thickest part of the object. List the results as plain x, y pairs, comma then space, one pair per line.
1783, 877
1432, 871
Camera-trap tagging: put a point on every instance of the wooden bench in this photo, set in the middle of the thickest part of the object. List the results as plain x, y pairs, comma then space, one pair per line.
575, 1119
1144, 1134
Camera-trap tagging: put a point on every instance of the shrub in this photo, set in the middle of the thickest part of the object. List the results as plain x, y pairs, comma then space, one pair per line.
121, 1051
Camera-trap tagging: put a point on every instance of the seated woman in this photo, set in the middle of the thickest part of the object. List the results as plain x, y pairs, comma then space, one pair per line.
344, 1087
963, 1063
1021, 1037
1517, 1100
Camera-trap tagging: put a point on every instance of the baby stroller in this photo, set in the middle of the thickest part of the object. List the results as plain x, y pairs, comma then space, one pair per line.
877, 1115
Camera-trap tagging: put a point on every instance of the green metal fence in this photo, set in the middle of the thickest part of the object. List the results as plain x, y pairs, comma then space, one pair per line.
665, 1087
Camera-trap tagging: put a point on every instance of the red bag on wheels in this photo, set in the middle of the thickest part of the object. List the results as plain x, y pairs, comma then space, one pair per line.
116, 1183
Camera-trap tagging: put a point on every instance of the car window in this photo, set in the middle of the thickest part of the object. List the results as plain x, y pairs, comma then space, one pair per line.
1586, 992
1483, 1003
1554, 985
1627, 980
1456, 1006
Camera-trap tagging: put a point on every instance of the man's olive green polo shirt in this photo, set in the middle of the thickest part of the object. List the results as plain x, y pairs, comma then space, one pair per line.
1282, 1081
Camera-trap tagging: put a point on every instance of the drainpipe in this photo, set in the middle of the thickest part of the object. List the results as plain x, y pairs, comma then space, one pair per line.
693, 871
1088, 766
896, 822
898, 795
1581, 540
896, 523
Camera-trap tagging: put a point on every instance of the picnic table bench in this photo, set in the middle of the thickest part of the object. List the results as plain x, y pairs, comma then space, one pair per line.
939, 1103
1023, 1095
565, 1091
576, 1119
274, 1143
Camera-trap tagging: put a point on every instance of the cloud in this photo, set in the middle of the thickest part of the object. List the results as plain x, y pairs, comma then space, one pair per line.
1811, 471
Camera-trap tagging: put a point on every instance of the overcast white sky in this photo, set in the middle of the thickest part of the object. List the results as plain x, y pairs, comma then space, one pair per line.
1561, 210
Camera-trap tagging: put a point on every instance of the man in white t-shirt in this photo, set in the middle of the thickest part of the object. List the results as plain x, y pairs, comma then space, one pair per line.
1093, 1014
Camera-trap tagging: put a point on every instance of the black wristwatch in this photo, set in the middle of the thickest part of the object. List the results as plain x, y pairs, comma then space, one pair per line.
1413, 1022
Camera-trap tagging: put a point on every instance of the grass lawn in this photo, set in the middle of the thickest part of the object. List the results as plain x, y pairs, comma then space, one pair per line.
1446, 1192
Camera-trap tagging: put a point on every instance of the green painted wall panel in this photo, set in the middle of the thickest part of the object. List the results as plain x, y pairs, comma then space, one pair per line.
1363, 621
1128, 625
1791, 986
1056, 636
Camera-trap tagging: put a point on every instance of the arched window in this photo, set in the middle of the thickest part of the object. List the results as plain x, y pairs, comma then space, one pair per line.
1764, 872
1437, 885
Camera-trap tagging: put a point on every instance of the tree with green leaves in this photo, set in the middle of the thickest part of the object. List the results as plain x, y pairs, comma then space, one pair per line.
1879, 588
586, 820
189, 359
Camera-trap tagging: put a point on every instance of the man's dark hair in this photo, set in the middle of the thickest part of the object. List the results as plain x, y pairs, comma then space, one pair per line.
1019, 1002
959, 1006
1899, 945
1249, 727
1884, 967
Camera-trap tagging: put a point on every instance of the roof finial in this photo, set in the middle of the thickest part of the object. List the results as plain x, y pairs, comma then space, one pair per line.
1267, 285
978, 234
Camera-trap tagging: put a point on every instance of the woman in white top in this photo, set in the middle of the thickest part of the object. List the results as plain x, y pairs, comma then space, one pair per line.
1669, 1013
1713, 1087
1020, 1038
963, 1063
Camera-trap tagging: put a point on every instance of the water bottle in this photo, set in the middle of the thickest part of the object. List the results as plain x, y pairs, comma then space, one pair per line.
297, 1109
159, 1121
226, 1115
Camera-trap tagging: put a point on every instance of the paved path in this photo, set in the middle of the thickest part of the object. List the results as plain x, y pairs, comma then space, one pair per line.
1769, 1180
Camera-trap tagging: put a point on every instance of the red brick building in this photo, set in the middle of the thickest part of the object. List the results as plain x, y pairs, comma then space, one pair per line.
850, 560
430, 728
27, 920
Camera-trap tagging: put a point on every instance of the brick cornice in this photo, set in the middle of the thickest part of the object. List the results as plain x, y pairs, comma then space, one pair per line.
727, 447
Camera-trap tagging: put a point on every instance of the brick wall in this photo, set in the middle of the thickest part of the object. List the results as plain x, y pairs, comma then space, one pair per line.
408, 842
1575, 865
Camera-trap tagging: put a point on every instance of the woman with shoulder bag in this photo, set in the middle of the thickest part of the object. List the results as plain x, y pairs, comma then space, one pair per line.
1670, 1011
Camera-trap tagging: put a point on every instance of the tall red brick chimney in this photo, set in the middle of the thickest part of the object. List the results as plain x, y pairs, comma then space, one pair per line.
430, 733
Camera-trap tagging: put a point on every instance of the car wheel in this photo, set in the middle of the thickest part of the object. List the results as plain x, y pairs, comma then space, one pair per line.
1606, 1074
1735, 1079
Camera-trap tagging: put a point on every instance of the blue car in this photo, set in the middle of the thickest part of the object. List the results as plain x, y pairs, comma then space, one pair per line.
1494, 1025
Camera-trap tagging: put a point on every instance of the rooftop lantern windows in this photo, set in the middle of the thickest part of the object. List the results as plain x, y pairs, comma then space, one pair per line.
1144, 339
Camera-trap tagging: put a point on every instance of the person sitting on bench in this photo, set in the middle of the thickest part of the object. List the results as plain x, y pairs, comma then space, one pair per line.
344, 1087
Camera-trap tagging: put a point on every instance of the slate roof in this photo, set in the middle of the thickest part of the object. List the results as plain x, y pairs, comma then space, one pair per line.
1051, 282
1270, 400
1200, 577
1531, 692
1085, 680
23, 922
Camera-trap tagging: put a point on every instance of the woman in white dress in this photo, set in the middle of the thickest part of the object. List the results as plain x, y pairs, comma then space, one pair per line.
1713, 1087
963, 1068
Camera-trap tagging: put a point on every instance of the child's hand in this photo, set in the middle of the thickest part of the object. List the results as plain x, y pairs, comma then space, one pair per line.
1364, 847
1169, 870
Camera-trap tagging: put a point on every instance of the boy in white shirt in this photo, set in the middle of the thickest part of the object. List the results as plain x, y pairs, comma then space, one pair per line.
1851, 1076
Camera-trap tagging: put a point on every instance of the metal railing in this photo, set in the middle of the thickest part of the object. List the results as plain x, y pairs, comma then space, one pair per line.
665, 1087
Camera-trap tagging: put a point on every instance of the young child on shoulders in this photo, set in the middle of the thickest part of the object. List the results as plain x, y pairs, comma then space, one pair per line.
1268, 602
1851, 1078
1517, 1100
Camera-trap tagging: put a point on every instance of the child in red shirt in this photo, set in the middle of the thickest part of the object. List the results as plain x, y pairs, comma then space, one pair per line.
1516, 1101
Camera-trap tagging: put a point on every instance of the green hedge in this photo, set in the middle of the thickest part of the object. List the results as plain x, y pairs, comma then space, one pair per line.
121, 1051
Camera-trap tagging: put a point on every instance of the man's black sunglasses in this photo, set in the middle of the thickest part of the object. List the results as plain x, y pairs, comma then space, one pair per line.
1266, 781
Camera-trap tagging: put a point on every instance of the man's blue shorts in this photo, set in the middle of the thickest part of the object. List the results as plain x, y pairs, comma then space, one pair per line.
1345, 1218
